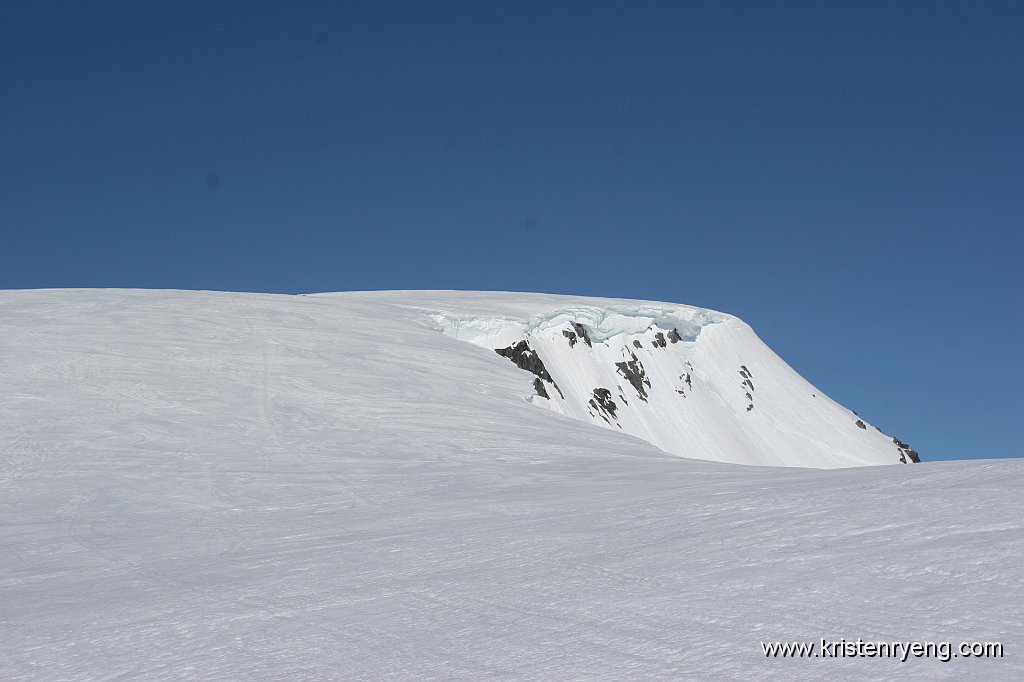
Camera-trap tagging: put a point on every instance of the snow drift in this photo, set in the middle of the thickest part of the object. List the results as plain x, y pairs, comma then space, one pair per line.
693, 382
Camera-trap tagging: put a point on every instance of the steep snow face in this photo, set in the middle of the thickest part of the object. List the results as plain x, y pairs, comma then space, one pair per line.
693, 382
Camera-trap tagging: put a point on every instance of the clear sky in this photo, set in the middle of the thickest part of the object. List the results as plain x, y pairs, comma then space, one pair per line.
846, 177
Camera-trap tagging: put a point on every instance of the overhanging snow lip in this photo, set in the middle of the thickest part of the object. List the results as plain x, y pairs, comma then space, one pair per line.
602, 323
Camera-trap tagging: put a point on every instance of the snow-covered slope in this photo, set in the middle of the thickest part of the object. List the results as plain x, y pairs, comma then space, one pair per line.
237, 486
694, 382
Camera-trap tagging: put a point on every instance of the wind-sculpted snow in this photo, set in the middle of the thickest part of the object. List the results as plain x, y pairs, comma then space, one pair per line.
601, 323
678, 377
213, 486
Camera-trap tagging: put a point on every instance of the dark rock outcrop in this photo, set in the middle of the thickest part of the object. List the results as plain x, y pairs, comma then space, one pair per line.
906, 452
582, 332
659, 340
685, 378
673, 336
571, 336
603, 403
526, 358
861, 424
538, 386
634, 373
747, 384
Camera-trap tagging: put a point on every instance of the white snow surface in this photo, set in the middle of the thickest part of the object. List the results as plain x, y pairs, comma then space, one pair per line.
199, 485
713, 391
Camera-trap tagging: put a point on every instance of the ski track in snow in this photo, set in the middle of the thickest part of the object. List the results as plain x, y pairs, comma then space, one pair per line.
197, 485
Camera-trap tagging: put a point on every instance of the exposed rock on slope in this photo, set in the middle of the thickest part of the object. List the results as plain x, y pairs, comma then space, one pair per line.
681, 366
526, 358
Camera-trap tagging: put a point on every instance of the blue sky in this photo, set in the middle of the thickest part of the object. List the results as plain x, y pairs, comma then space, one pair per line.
846, 177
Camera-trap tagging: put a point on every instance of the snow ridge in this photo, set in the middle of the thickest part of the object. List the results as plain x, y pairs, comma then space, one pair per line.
694, 382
